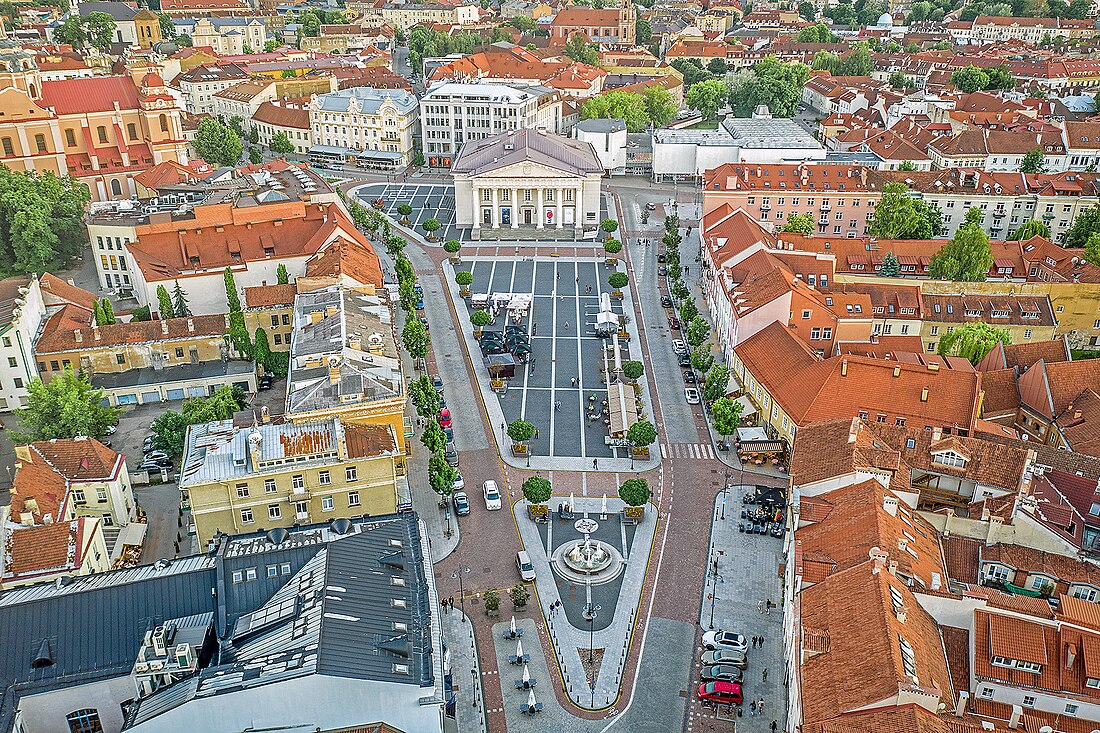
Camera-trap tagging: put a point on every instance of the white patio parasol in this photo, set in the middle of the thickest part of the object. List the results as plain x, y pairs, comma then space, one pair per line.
571, 502
531, 698
603, 509
519, 649
512, 625
526, 674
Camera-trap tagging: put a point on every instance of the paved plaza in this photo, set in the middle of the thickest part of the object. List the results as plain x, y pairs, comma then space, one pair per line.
428, 200
560, 389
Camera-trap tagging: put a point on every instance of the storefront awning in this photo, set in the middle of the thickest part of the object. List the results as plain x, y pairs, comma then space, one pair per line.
622, 408
747, 407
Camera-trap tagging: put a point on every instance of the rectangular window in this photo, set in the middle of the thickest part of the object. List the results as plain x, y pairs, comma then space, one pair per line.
12, 362
327, 504
272, 571
246, 516
9, 149
1027, 333
70, 138
242, 491
815, 333
323, 478
351, 473
274, 511
274, 321
297, 482
269, 486
353, 498
1029, 701
250, 574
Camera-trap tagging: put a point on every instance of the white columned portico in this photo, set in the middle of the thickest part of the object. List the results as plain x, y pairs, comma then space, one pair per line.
540, 194
559, 194
496, 207
515, 208
476, 198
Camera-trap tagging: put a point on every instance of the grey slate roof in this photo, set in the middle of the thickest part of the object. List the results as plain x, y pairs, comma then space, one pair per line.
122, 605
507, 148
118, 11
604, 126
369, 100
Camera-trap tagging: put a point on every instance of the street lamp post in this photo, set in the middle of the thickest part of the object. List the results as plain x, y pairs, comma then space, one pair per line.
461, 589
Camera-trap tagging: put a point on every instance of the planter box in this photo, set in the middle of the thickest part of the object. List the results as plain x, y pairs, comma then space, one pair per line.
641, 452
519, 449
538, 512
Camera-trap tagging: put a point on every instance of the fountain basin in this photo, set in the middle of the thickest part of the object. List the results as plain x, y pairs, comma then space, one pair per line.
587, 561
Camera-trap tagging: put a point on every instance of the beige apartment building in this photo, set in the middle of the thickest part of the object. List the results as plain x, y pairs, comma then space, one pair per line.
241, 478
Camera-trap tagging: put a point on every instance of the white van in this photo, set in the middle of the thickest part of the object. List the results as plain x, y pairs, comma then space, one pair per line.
492, 496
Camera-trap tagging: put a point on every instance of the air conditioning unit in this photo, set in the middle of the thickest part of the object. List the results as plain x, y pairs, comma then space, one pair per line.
141, 667
156, 664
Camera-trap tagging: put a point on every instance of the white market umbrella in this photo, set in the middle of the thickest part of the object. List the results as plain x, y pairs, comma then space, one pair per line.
571, 501
531, 698
519, 649
526, 674
512, 625
604, 507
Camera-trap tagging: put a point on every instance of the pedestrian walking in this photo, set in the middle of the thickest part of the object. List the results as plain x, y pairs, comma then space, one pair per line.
557, 404
451, 601
559, 276
536, 433
775, 725
760, 607
752, 708
595, 463
761, 640
769, 607
765, 674
760, 706
685, 271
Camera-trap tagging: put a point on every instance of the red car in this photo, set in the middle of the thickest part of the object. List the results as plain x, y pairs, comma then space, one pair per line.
723, 693
674, 324
444, 418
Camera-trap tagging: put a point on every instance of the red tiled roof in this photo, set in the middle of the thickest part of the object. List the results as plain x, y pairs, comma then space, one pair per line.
56, 291
265, 296
89, 94
80, 459
58, 337
44, 548
350, 259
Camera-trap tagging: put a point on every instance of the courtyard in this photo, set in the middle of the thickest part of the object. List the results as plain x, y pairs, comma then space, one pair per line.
560, 388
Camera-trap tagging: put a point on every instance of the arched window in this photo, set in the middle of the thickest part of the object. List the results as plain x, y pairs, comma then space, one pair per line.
164, 123
34, 91
84, 721
116, 187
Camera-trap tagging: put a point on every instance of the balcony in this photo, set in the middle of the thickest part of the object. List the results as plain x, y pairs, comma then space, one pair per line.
826, 207
823, 221
998, 213
299, 491
765, 206
301, 515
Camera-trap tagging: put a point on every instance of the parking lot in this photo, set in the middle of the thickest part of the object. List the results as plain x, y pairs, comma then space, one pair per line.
427, 201
559, 390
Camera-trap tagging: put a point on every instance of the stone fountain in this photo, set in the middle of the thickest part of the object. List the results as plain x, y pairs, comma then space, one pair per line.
587, 560
587, 557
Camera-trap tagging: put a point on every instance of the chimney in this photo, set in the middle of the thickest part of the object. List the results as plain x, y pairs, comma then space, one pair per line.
334, 370
190, 325
1071, 652
164, 327
890, 505
897, 370
78, 336
1076, 414
960, 708
878, 557
901, 614
23, 453
924, 395
844, 368
1014, 718
937, 433
95, 332
893, 568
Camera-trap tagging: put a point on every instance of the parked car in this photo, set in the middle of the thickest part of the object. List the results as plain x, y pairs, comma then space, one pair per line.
460, 483
156, 455
424, 320
461, 502
662, 270
651, 206
437, 382
492, 496
689, 376
112, 429
725, 656
692, 395
444, 418
266, 381
666, 301
420, 304
723, 693
526, 569
674, 323
726, 672
451, 456
152, 466
725, 640
684, 360
147, 445
661, 257
679, 346
450, 433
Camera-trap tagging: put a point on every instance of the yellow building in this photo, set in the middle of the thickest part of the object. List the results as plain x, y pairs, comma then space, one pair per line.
241, 479
1026, 318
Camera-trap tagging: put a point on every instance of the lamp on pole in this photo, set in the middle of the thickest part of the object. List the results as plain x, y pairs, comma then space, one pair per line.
461, 590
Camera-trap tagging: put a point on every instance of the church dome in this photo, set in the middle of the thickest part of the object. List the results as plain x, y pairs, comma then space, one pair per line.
885, 20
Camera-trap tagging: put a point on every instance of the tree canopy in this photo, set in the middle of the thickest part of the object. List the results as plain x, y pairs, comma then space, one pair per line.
1034, 162
40, 221
800, 223
537, 490
819, 33
707, 97
634, 492
1030, 228
900, 216
773, 84
626, 106
281, 144
579, 49
217, 144
64, 407
972, 341
1085, 224
642, 433
967, 257
726, 415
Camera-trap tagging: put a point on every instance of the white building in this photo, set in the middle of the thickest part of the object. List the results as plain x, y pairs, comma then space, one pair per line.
453, 112
608, 139
21, 313
199, 85
370, 128
243, 99
687, 154
227, 36
532, 179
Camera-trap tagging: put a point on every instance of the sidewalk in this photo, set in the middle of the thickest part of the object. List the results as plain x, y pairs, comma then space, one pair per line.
462, 652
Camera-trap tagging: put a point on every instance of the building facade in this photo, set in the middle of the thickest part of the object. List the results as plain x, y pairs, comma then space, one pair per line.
453, 112
369, 128
226, 36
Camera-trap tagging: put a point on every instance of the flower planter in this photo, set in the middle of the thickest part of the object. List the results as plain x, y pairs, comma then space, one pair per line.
641, 452
519, 449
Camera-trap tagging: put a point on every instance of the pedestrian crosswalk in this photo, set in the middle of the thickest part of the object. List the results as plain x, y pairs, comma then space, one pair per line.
698, 451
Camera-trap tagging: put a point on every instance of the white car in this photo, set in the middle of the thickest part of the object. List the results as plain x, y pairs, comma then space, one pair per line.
492, 496
692, 395
526, 569
679, 346
459, 483
725, 640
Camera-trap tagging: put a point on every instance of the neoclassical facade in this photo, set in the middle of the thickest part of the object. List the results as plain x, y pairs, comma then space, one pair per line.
527, 179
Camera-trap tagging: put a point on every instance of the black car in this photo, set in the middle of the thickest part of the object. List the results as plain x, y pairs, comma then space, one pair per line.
266, 381
726, 672
662, 270
660, 256
666, 301
684, 359
689, 376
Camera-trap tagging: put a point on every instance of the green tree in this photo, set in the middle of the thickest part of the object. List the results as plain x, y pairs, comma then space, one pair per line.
1092, 249
618, 280
1085, 224
701, 359
643, 32
261, 348
180, 306
1034, 162
65, 407
481, 319
688, 311
431, 226
680, 290
969, 79
231, 296
626, 106
714, 386
900, 216
217, 144
108, 312
612, 246
697, 331
464, 278
433, 437
826, 61
692, 71
164, 303
310, 23
169, 431
579, 49
634, 492
425, 397
1000, 77
281, 144
415, 338
404, 210
819, 33
100, 29
660, 106
972, 341
255, 157
270, 46
725, 415
857, 63
890, 265
967, 257
773, 84
537, 490
632, 370
72, 32
799, 223
441, 475
807, 11
642, 434
236, 123
452, 247
609, 225
898, 80
718, 66
907, 165
520, 431
141, 313
41, 223
707, 97
1031, 228
282, 275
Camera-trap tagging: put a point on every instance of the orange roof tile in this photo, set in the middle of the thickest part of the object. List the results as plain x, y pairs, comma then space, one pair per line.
58, 336
368, 441
265, 296
350, 259
47, 548
89, 94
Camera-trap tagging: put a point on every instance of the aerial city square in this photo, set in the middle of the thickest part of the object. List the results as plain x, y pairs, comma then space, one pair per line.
508, 366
